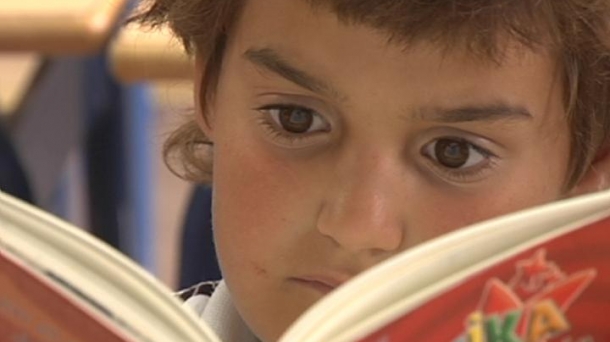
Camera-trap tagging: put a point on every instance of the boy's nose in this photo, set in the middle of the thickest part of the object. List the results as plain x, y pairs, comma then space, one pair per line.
362, 210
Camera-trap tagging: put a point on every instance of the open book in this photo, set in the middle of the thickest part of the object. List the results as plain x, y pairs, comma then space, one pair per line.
542, 274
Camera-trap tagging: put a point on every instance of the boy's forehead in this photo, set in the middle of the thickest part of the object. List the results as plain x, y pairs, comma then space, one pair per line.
293, 18
302, 43
486, 33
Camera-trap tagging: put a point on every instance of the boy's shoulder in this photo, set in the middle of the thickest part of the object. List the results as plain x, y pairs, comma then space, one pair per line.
205, 288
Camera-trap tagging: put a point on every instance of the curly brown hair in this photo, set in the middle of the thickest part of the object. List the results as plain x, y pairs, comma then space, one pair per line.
577, 32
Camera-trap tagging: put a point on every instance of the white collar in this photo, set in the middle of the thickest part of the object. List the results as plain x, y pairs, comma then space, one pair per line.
220, 314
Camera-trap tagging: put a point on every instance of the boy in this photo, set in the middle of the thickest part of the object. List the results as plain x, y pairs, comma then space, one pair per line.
342, 132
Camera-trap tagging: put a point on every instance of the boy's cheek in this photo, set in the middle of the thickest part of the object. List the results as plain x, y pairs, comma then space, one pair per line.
442, 213
257, 195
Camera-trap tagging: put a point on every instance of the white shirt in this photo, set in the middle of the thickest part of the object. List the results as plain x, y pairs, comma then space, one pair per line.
218, 312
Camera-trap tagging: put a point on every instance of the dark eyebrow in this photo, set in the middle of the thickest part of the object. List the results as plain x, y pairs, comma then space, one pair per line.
270, 60
493, 112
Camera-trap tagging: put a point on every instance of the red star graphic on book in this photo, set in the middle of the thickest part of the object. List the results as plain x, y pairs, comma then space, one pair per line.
535, 274
500, 298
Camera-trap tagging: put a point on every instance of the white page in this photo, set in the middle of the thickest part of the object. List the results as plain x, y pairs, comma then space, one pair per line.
431, 262
98, 272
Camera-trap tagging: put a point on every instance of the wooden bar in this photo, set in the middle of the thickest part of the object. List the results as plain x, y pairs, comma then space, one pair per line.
58, 27
18, 73
145, 54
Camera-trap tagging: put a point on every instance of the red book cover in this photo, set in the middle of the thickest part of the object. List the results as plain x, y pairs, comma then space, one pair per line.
33, 309
555, 291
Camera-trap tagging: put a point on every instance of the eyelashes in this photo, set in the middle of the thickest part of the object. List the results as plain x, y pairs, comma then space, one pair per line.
458, 159
452, 158
296, 119
292, 125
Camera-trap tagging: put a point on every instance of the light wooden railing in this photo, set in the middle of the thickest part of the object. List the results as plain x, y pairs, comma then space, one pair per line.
145, 54
57, 27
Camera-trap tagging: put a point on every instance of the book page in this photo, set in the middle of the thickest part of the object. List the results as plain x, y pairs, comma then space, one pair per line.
553, 291
32, 309
384, 293
86, 270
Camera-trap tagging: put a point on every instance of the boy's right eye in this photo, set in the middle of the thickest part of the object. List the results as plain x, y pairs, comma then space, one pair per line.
296, 120
292, 124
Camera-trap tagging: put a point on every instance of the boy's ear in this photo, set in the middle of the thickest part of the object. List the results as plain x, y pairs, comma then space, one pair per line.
597, 176
203, 114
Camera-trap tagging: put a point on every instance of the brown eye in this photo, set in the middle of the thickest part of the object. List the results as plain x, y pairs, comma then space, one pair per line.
295, 120
457, 159
455, 153
452, 153
288, 121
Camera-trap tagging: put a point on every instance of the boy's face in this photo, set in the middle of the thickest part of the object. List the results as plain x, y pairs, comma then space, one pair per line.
334, 150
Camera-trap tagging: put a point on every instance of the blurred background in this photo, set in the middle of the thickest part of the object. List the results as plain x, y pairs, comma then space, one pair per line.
85, 105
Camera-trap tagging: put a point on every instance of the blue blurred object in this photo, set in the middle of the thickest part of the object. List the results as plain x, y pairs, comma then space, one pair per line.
13, 179
198, 258
138, 118
119, 156
104, 147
